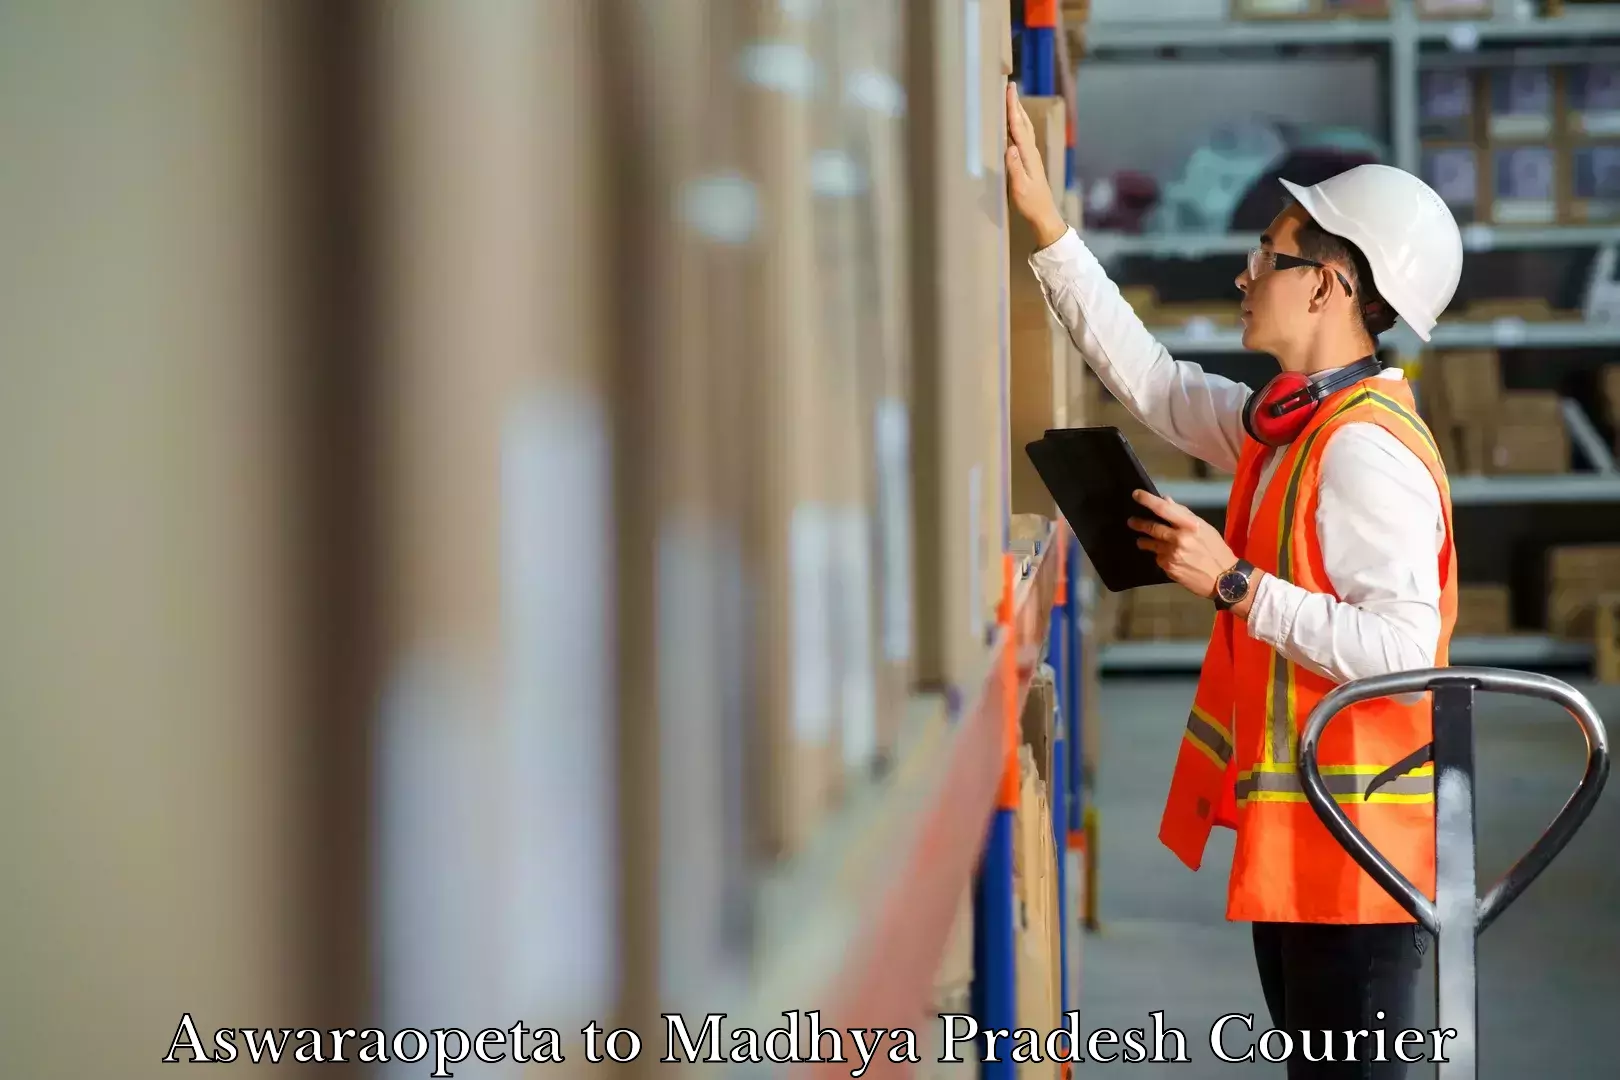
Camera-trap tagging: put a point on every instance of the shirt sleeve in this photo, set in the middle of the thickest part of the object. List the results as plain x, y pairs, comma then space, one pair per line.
1199, 413
1381, 528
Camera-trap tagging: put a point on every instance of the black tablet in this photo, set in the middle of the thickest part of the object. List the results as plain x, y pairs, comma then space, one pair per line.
1091, 473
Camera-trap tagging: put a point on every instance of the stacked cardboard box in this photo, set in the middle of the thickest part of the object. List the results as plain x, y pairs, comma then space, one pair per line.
1529, 434
1482, 428
1040, 346
873, 42
1606, 639
1609, 395
1483, 610
991, 290
958, 256
793, 522
1167, 613
1039, 992
1576, 576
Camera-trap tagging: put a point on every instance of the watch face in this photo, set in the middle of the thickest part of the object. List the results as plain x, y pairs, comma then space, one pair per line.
1232, 586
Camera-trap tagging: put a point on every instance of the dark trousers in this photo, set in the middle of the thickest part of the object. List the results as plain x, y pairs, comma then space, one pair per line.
1339, 978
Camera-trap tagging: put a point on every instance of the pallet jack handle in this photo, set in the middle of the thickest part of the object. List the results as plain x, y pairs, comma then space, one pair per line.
1456, 916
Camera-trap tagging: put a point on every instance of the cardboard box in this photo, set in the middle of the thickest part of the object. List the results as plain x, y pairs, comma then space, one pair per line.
1167, 613
1524, 185
1606, 639
1531, 408
1040, 347
1456, 171
1529, 450
951, 466
1449, 105
1609, 390
1576, 576
875, 45
1039, 993
1592, 100
992, 300
794, 533
1592, 178
1529, 435
1523, 103
1038, 722
1483, 611
1463, 386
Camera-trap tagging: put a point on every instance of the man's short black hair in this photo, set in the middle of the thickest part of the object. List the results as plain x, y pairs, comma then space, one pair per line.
1319, 245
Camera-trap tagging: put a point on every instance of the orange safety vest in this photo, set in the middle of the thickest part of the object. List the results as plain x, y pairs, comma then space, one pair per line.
1237, 763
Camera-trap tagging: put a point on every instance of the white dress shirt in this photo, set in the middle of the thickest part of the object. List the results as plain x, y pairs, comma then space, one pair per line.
1378, 518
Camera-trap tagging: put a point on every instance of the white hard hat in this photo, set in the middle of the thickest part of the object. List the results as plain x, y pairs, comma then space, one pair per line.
1405, 230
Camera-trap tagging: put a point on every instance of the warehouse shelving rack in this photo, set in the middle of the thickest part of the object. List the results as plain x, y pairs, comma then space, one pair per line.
860, 919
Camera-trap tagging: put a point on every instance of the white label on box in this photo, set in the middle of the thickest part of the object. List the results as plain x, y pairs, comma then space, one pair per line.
876, 90
852, 540
893, 446
975, 553
723, 207
694, 650
810, 566
1602, 124
1478, 237
780, 66
970, 84
836, 175
556, 759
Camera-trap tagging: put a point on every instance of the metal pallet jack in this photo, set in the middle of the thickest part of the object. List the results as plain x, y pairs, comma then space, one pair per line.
1457, 916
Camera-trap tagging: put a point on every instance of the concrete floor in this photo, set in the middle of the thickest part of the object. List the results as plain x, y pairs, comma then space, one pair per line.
1549, 967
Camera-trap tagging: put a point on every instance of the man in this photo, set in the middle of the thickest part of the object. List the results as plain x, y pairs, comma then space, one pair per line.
1336, 563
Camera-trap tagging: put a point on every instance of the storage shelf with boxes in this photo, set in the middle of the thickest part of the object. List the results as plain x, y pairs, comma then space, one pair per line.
871, 905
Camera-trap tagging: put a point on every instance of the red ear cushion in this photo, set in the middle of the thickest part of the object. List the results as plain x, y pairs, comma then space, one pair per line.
1277, 430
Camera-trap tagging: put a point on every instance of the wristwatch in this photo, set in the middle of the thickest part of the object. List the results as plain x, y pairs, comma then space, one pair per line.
1232, 586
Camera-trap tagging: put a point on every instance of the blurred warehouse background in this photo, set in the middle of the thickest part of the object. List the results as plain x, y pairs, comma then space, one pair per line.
515, 509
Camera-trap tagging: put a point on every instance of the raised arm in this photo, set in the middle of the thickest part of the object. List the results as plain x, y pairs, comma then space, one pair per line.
1196, 411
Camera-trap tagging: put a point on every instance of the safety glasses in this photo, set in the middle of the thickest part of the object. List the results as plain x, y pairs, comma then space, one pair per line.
1264, 260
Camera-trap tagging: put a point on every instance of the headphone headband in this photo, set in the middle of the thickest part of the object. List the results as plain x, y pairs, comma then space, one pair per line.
1365, 368
1312, 394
